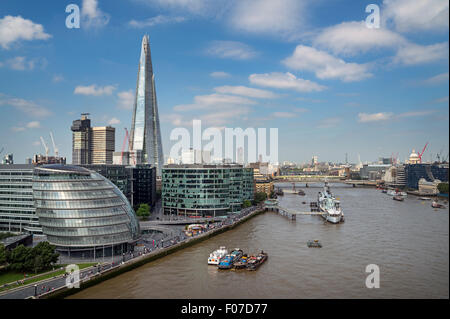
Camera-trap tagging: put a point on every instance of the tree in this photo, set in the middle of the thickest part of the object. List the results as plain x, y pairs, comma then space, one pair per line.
246, 203
143, 210
443, 188
3, 254
260, 197
18, 258
42, 257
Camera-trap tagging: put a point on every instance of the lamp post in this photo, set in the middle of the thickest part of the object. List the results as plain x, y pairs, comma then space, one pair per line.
35, 290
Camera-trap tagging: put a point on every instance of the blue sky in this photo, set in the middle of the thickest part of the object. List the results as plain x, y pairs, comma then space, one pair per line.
313, 70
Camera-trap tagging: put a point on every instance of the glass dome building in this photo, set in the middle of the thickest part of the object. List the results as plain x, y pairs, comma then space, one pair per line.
82, 212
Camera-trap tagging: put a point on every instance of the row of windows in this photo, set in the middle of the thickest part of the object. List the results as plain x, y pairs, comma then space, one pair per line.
100, 203
74, 195
89, 222
90, 241
88, 231
75, 213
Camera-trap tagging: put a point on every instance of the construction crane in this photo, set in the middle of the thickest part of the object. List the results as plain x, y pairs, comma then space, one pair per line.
1, 151
125, 140
45, 146
54, 145
420, 154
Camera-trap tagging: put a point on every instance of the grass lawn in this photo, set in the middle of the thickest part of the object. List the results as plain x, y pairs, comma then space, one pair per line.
12, 276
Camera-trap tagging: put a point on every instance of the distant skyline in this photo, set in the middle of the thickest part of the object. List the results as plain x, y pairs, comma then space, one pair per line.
311, 69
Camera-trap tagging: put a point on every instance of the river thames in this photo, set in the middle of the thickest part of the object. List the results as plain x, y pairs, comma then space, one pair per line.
409, 241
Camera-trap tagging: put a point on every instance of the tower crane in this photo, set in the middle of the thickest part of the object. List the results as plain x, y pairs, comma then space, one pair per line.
420, 154
54, 145
45, 146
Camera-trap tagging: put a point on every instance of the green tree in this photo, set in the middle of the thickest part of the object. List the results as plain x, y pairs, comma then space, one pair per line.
18, 258
143, 210
42, 257
443, 188
246, 203
3, 254
260, 197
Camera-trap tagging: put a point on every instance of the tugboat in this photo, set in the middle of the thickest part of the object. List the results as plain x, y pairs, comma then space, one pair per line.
435, 204
241, 263
228, 261
216, 256
255, 261
398, 198
314, 244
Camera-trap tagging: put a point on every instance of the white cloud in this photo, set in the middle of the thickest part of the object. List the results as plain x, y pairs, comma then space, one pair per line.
20, 63
441, 100
27, 107
214, 101
17, 129
285, 81
416, 113
230, 50
417, 15
94, 90
33, 124
245, 91
324, 65
350, 38
159, 19
13, 29
281, 17
219, 74
284, 114
126, 100
437, 79
92, 16
57, 78
114, 121
412, 54
375, 117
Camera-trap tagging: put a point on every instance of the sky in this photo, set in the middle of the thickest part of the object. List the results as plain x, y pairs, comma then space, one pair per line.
313, 69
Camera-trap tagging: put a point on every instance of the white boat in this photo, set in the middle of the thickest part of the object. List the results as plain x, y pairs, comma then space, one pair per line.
330, 206
396, 192
216, 255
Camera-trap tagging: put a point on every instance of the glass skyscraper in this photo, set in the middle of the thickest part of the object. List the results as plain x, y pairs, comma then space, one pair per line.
145, 129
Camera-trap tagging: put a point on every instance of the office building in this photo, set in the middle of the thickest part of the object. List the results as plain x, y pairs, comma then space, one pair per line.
137, 183
39, 159
262, 183
192, 156
145, 129
81, 140
82, 213
205, 190
91, 145
429, 172
103, 144
17, 212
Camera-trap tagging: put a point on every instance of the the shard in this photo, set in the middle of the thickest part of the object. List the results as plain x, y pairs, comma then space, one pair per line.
145, 139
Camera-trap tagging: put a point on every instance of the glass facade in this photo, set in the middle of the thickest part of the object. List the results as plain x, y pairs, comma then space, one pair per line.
17, 212
145, 128
78, 208
414, 172
205, 190
137, 183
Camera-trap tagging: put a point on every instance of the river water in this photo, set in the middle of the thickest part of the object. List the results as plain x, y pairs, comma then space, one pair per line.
409, 241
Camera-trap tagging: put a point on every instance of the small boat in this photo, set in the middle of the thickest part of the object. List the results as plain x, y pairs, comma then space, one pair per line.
314, 244
241, 263
301, 193
435, 204
228, 260
424, 198
255, 261
398, 198
384, 191
396, 192
217, 255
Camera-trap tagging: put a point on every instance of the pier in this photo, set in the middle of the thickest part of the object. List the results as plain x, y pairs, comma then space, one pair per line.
289, 213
